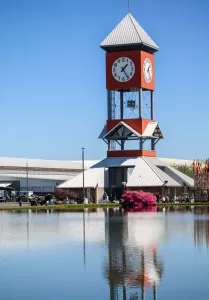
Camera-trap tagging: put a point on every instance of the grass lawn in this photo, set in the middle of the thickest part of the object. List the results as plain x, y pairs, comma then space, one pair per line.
81, 206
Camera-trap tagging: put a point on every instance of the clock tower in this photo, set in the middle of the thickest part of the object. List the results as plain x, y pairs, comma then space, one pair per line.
130, 129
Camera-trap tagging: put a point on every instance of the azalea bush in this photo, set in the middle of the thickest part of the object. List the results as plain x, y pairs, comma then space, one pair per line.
138, 200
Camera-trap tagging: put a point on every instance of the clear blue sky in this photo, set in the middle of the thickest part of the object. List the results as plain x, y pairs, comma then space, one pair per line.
52, 75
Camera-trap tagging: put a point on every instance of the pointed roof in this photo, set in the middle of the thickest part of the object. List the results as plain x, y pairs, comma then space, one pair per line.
129, 34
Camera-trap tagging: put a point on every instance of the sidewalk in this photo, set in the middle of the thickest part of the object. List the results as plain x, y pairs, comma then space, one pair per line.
10, 204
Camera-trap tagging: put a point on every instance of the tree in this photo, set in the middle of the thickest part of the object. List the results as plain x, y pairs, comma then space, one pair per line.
185, 169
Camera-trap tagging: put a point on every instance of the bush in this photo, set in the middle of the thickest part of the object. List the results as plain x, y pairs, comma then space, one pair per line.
138, 200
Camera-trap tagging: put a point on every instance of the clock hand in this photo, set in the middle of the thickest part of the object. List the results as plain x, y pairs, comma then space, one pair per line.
123, 68
126, 74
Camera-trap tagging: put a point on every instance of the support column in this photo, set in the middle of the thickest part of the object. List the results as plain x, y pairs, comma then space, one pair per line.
140, 116
110, 182
122, 141
152, 118
96, 195
152, 144
109, 117
174, 192
152, 105
140, 103
154, 292
121, 105
140, 144
121, 116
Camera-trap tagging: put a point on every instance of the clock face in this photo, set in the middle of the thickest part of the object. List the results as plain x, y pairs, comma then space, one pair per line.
123, 69
147, 70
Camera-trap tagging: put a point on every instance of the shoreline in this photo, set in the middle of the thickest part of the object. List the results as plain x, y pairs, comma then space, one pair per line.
82, 206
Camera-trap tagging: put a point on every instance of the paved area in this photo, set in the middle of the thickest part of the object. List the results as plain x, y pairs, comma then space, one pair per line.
10, 204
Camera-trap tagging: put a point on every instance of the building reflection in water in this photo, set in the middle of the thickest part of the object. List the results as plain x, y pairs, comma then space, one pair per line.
133, 267
201, 227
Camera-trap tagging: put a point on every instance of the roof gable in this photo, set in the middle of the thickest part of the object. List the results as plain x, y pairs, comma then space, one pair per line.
122, 130
153, 130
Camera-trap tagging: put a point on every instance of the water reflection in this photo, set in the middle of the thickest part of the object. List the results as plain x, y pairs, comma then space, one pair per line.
201, 227
133, 265
114, 255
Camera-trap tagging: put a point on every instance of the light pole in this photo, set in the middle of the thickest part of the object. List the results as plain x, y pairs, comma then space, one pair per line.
84, 221
27, 178
83, 173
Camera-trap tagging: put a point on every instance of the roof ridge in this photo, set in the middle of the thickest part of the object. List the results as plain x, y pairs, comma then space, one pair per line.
131, 18
152, 169
113, 29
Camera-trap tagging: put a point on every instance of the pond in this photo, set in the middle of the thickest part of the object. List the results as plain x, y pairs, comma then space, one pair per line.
105, 254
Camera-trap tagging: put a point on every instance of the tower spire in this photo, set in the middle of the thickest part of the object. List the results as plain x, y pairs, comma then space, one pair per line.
128, 6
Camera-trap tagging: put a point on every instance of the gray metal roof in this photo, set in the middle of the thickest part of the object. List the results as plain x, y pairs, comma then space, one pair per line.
170, 172
129, 32
154, 163
143, 175
56, 177
186, 179
146, 173
96, 177
116, 162
43, 163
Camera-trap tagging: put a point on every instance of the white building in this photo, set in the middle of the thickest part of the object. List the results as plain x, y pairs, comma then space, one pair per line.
38, 175
147, 173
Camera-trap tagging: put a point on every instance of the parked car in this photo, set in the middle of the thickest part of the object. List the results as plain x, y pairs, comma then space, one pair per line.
184, 197
26, 198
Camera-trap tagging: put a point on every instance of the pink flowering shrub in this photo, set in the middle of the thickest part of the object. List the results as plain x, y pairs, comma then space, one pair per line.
138, 200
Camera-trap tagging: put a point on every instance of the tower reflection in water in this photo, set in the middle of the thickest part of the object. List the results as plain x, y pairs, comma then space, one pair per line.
133, 267
201, 227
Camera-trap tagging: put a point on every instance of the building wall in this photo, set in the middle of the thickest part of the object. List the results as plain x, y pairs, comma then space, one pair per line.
79, 191
170, 191
35, 185
39, 185
99, 193
37, 171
